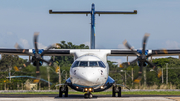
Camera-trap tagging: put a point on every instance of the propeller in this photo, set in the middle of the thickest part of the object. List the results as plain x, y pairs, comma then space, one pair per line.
141, 58
37, 57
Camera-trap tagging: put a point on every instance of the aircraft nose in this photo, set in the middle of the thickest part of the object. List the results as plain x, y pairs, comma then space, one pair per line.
91, 78
88, 76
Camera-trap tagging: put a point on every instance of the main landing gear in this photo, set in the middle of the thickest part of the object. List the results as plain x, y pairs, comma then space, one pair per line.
63, 90
115, 90
88, 95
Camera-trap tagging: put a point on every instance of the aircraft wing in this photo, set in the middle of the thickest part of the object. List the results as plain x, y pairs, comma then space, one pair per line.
67, 52
14, 51
28, 52
160, 52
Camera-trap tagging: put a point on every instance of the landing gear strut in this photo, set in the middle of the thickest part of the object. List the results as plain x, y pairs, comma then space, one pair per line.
115, 90
88, 95
63, 90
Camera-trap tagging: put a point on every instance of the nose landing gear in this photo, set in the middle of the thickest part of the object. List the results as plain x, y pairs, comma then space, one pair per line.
88, 95
63, 90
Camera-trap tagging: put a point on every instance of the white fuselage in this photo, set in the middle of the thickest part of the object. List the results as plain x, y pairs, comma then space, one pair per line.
89, 71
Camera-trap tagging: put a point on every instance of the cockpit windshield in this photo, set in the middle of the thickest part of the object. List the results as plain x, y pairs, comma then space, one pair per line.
83, 64
75, 64
88, 64
93, 63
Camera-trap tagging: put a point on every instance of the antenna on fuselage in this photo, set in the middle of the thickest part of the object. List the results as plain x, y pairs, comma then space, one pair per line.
92, 12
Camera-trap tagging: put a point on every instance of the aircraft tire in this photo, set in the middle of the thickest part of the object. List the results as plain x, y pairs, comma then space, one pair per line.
88, 95
66, 92
113, 92
60, 92
119, 92
85, 95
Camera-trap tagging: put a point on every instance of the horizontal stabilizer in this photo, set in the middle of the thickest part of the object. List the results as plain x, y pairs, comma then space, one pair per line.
96, 12
69, 12
116, 12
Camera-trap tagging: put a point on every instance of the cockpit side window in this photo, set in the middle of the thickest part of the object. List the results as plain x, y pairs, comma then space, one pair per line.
75, 64
101, 64
83, 63
93, 63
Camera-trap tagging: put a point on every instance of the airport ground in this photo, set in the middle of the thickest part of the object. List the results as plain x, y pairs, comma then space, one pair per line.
24, 96
78, 97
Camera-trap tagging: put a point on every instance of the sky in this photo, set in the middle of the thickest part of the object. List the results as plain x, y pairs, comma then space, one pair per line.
19, 19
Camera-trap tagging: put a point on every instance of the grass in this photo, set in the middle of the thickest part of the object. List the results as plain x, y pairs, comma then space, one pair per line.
106, 93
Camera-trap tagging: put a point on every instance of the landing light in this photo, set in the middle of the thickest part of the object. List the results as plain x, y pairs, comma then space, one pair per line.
90, 89
102, 87
86, 89
77, 87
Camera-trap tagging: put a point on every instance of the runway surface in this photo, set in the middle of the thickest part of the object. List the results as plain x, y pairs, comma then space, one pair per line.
54, 97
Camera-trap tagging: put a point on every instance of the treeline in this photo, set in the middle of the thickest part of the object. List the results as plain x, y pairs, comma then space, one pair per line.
120, 75
168, 65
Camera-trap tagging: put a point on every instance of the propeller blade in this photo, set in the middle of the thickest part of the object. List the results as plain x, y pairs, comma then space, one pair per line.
144, 42
165, 51
50, 47
24, 65
27, 63
139, 74
149, 55
36, 80
159, 73
37, 73
138, 79
125, 65
35, 41
57, 69
16, 68
135, 60
17, 46
131, 48
127, 45
48, 62
151, 64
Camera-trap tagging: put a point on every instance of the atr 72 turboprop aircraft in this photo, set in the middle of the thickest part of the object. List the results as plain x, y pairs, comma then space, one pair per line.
89, 71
